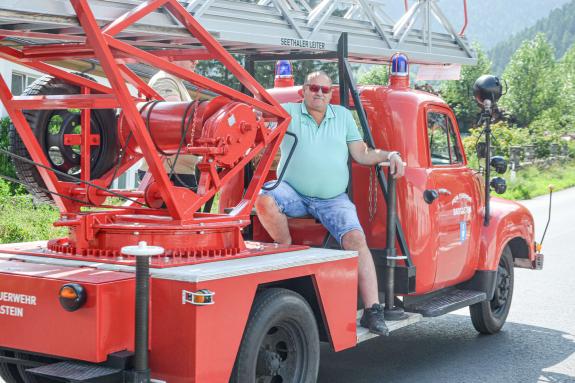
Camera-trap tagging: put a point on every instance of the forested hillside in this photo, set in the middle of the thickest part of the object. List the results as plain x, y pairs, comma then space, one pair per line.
490, 21
559, 28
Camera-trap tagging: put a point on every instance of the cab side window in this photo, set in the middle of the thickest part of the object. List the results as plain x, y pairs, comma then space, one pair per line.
443, 146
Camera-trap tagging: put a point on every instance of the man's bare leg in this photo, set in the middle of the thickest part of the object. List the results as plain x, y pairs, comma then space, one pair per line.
372, 317
355, 240
274, 221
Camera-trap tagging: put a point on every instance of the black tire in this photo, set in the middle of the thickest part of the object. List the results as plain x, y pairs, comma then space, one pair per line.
280, 342
9, 372
50, 130
488, 317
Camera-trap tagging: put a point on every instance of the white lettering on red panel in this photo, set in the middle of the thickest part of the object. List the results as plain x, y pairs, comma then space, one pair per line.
13, 311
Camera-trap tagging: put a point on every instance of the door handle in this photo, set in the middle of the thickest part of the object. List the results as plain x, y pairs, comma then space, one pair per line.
430, 195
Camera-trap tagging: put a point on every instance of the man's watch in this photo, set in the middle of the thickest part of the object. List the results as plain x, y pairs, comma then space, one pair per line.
391, 154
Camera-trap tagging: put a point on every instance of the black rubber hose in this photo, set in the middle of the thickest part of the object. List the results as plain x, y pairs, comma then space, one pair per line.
281, 176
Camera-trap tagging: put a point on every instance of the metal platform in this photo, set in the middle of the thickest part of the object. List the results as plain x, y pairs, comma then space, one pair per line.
267, 27
446, 302
363, 334
79, 372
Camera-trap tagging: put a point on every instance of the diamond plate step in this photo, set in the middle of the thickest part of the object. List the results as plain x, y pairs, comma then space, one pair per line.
363, 334
449, 301
79, 372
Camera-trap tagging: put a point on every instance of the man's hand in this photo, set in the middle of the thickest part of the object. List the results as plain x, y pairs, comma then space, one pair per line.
396, 167
365, 156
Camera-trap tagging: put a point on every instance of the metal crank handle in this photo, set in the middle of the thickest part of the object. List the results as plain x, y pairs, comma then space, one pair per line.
386, 163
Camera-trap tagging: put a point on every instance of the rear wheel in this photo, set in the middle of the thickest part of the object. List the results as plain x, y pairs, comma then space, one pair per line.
50, 127
488, 317
281, 341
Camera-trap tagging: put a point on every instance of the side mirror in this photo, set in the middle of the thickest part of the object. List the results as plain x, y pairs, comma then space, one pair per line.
499, 164
481, 150
499, 185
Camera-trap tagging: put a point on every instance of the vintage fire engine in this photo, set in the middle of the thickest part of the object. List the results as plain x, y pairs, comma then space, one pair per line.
161, 288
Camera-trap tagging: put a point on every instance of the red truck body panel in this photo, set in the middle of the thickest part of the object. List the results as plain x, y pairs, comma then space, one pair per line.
34, 320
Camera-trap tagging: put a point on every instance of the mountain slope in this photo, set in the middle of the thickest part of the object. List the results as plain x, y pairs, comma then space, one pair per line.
559, 27
490, 21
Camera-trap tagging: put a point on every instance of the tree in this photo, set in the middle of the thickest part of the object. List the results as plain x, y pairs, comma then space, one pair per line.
377, 75
459, 94
264, 71
533, 81
567, 69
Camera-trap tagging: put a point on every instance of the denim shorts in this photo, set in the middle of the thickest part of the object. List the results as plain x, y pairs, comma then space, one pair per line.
338, 214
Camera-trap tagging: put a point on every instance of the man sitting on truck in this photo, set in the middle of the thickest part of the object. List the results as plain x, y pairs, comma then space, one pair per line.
316, 179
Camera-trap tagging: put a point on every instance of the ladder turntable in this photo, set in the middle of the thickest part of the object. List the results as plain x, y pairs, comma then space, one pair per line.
267, 27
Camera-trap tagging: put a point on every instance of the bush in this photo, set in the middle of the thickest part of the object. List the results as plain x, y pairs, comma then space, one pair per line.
6, 165
543, 132
504, 136
22, 220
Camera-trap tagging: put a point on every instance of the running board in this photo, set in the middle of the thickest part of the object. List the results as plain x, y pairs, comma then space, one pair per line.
445, 302
79, 372
363, 334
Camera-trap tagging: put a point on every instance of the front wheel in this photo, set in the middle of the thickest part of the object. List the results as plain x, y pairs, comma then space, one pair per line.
488, 317
281, 341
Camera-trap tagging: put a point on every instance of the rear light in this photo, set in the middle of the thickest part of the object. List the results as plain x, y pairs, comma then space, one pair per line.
72, 296
198, 298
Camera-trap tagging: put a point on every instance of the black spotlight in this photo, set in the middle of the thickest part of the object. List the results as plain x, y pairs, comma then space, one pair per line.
481, 149
499, 164
487, 87
499, 185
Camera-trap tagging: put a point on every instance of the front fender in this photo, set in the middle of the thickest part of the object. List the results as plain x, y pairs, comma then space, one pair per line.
508, 220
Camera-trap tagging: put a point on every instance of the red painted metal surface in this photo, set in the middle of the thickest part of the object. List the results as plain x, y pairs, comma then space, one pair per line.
200, 343
176, 254
32, 318
187, 342
509, 220
226, 132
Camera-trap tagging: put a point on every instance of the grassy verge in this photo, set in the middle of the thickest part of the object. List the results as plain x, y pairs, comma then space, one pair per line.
533, 181
22, 221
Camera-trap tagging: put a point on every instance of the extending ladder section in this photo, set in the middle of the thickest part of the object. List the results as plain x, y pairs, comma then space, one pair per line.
264, 27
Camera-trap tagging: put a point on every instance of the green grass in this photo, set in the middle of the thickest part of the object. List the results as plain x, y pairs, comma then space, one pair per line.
22, 221
533, 181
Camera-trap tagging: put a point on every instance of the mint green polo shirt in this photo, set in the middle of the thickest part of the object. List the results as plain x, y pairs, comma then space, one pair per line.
318, 167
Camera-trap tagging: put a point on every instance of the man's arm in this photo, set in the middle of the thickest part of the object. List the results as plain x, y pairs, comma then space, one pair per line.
366, 156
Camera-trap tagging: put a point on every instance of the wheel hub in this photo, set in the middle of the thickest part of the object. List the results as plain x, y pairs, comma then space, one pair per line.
277, 358
272, 362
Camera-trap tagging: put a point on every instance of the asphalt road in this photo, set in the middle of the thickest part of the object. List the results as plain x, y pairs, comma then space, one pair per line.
537, 344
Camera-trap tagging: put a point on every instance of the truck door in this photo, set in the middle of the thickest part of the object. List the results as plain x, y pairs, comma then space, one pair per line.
455, 210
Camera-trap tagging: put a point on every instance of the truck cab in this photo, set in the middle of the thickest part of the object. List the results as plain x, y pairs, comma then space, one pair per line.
441, 199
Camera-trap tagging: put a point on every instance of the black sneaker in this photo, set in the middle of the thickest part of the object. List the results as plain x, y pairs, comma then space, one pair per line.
373, 320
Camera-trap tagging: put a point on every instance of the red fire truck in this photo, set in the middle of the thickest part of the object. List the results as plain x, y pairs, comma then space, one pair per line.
160, 288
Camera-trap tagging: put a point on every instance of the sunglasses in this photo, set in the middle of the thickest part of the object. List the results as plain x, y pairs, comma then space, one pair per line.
315, 88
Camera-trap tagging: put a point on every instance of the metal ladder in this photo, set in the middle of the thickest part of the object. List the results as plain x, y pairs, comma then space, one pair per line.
264, 27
